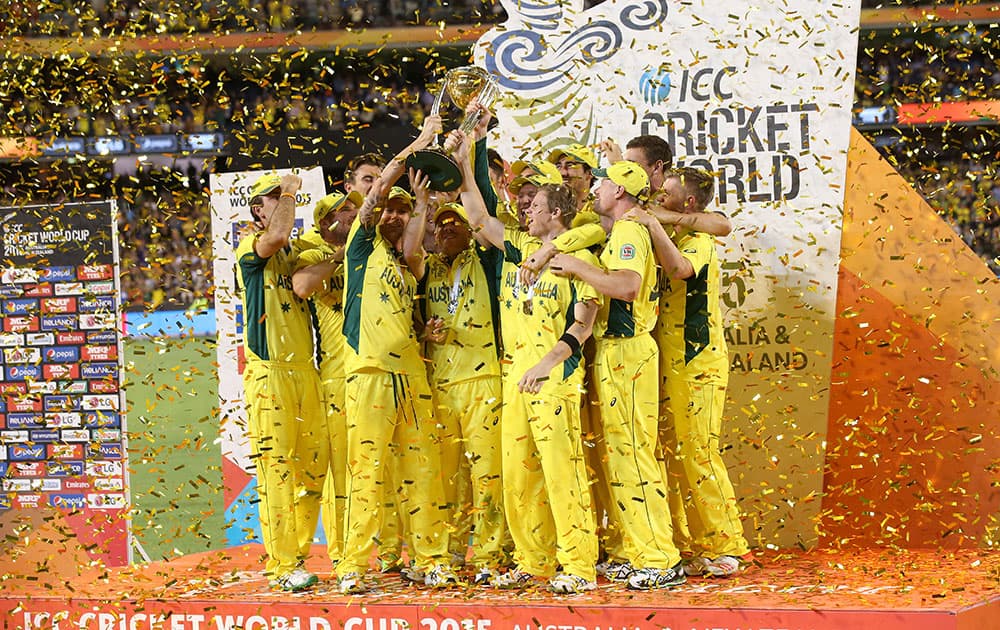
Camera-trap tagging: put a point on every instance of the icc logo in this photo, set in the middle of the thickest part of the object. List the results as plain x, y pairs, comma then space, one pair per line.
654, 85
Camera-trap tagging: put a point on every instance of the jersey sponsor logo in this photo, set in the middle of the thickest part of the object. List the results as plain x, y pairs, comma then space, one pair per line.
20, 324
59, 305
20, 307
626, 252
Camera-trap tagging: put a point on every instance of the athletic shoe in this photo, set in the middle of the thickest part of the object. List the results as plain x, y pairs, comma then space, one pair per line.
603, 568
440, 576
649, 578
390, 563
723, 566
568, 584
515, 578
298, 579
619, 571
695, 567
352, 584
412, 574
484, 576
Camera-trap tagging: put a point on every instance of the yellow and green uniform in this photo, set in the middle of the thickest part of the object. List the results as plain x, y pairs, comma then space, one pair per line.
388, 402
331, 346
626, 369
546, 489
694, 372
465, 375
285, 420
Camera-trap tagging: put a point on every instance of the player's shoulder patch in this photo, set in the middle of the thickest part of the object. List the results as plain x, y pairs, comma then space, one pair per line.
626, 251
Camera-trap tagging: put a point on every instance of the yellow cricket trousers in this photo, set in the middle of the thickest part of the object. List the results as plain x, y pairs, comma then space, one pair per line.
334, 500
288, 437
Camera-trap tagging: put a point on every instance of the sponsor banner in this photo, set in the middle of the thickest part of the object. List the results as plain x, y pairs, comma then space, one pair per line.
230, 216
104, 468
725, 109
61, 270
12, 435
26, 469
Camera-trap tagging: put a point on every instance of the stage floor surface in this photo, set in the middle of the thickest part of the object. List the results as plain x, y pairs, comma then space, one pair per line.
226, 590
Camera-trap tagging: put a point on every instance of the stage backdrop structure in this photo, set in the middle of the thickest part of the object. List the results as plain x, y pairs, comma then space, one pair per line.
230, 219
762, 95
63, 443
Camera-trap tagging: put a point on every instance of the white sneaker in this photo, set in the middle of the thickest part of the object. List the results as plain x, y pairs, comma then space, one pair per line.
695, 567
352, 584
412, 574
515, 578
484, 576
649, 578
569, 584
723, 566
298, 579
440, 576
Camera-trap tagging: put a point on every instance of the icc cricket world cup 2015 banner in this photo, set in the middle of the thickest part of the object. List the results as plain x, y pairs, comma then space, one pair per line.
62, 418
231, 220
761, 94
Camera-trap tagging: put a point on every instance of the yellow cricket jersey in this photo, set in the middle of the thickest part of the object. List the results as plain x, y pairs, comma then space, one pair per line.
276, 323
690, 331
378, 306
629, 247
328, 303
460, 294
542, 313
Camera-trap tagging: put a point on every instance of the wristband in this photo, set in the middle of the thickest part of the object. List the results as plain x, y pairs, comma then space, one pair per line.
288, 194
571, 341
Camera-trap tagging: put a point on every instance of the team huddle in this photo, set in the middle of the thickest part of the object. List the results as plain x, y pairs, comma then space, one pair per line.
519, 382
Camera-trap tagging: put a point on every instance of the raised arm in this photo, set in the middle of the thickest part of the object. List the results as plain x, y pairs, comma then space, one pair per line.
308, 280
279, 228
621, 284
489, 228
714, 223
413, 235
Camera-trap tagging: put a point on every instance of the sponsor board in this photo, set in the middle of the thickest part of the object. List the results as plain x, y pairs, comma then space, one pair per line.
58, 305
98, 321
68, 501
99, 402
20, 275
59, 403
65, 451
59, 322
23, 403
110, 501
22, 355
77, 483
103, 387
64, 468
22, 372
60, 371
98, 370
75, 435
64, 420
68, 288
72, 387
56, 274
106, 450
91, 304
11, 436
26, 469
104, 468
20, 306
108, 484
42, 289
11, 340
44, 435
107, 435
101, 419
42, 387
95, 272
99, 353
106, 287
40, 339
102, 337
21, 324
25, 420
77, 337
62, 354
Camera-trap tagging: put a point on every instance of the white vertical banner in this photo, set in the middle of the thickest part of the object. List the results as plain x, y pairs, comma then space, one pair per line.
230, 220
760, 93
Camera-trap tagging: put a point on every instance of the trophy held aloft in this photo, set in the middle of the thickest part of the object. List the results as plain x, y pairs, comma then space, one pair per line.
463, 85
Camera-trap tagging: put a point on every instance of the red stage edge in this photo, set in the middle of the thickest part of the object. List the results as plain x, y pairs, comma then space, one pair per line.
815, 590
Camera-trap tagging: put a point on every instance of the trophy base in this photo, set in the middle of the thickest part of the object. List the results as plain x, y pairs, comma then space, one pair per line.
442, 171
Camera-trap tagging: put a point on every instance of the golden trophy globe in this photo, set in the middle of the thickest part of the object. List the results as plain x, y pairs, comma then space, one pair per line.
463, 85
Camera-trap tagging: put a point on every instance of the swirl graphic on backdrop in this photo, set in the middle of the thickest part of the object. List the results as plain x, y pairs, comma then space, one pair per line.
546, 60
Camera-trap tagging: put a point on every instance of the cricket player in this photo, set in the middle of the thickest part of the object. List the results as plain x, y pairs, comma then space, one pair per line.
389, 401
285, 416
319, 277
626, 379
694, 372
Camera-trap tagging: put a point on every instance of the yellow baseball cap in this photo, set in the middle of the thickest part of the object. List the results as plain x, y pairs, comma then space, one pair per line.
578, 152
265, 184
540, 173
456, 208
628, 175
335, 201
398, 193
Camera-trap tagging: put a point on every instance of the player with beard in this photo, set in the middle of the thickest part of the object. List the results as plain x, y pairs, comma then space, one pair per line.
389, 402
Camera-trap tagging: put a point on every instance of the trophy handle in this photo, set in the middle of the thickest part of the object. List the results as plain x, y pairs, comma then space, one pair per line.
486, 97
436, 109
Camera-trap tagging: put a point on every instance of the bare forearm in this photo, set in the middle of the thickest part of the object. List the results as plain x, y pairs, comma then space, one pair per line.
308, 280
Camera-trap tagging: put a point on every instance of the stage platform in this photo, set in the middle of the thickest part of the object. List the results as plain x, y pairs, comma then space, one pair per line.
226, 590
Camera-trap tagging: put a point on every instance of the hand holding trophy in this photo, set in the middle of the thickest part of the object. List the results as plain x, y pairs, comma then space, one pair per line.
463, 85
